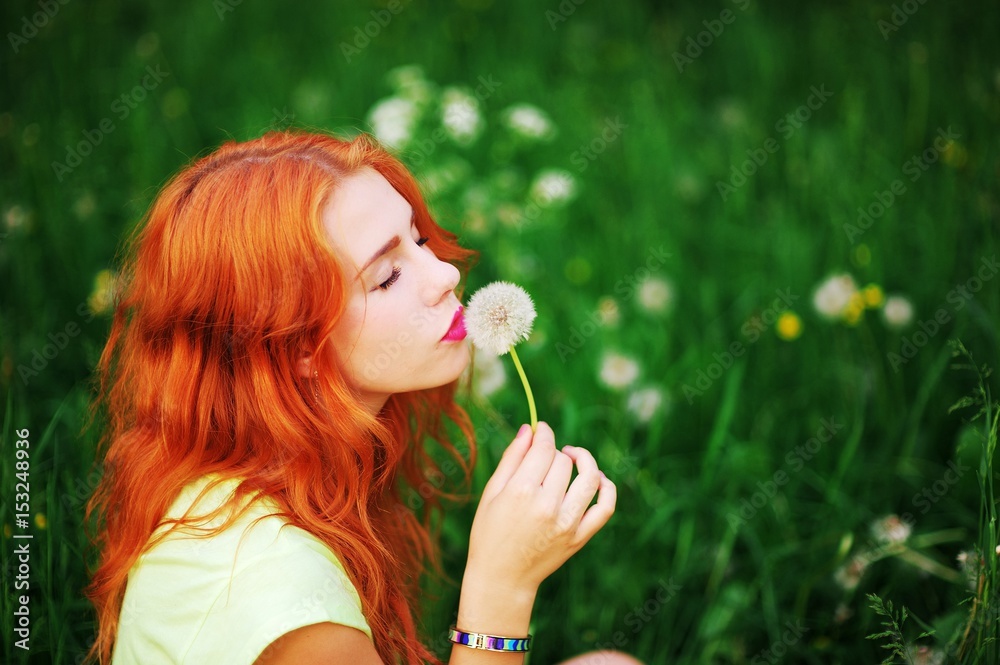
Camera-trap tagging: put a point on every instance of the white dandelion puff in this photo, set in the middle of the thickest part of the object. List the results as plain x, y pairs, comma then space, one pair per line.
460, 115
498, 316
898, 311
849, 574
393, 120
891, 530
553, 187
645, 403
489, 375
529, 121
834, 295
618, 371
655, 295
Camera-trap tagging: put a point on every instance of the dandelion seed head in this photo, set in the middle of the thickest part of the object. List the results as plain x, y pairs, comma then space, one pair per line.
393, 120
529, 121
498, 316
645, 403
618, 371
849, 575
655, 295
898, 312
891, 529
835, 296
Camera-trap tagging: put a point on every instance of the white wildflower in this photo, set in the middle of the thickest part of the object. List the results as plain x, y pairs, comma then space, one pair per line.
898, 311
488, 374
393, 120
655, 295
553, 187
834, 295
891, 529
15, 217
498, 316
460, 115
849, 575
923, 655
618, 371
529, 121
645, 403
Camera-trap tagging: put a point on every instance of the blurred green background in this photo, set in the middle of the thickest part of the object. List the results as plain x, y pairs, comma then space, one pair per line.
750, 230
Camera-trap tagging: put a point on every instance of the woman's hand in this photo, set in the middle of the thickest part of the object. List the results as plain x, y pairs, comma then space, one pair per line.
531, 519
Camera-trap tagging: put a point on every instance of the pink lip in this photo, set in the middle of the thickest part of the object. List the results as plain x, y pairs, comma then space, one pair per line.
457, 330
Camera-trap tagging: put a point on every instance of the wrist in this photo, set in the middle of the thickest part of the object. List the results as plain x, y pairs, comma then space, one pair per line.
491, 607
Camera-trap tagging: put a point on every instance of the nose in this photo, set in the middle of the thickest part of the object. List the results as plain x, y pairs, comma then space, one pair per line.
442, 278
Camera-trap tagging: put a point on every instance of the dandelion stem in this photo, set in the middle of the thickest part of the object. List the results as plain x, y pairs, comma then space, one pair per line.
527, 389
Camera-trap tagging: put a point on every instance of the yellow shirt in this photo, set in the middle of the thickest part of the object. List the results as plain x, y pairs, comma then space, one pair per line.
221, 599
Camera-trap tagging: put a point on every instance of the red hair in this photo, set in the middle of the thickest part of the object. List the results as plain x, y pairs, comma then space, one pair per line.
228, 281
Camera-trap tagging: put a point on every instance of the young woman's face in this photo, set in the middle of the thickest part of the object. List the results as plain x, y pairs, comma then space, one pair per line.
401, 304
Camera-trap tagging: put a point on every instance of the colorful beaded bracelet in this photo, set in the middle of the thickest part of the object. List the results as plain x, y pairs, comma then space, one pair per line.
490, 642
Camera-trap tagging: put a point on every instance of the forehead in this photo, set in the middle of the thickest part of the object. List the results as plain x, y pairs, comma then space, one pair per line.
363, 212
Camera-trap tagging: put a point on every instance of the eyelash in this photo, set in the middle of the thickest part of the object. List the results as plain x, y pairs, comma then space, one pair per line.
396, 272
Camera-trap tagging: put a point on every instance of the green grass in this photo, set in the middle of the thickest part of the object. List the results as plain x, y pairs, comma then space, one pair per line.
694, 464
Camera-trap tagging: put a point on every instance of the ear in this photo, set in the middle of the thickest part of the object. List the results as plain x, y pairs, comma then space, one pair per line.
304, 365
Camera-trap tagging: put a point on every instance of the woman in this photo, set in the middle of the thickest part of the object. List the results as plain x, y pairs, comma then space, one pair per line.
287, 337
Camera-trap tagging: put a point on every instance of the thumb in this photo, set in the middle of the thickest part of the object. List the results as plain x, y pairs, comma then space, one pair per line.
509, 463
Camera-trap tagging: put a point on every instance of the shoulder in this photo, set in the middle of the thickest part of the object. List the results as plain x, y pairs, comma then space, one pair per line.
237, 591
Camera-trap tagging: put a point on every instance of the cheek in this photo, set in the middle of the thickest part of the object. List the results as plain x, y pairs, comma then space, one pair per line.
353, 326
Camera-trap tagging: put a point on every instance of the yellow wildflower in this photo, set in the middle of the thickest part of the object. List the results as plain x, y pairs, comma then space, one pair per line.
855, 308
873, 295
103, 294
40, 520
789, 326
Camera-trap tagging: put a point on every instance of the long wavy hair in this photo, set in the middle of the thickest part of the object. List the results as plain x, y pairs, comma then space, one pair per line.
226, 283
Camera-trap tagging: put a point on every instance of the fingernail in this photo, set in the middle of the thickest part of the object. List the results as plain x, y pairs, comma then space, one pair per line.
569, 447
524, 428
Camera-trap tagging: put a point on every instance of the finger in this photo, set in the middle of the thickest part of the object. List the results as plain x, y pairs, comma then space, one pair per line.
585, 485
557, 479
539, 457
599, 513
509, 462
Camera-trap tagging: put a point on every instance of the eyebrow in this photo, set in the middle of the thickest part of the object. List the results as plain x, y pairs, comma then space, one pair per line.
390, 245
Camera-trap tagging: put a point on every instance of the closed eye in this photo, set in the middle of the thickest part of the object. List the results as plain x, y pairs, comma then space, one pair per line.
396, 272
